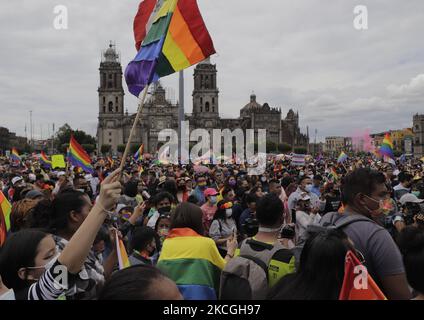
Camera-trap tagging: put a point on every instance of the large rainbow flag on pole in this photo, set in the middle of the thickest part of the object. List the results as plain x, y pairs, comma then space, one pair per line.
386, 148
5, 209
170, 36
78, 157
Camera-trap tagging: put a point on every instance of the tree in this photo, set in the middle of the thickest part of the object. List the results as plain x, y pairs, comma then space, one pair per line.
121, 148
271, 146
64, 136
105, 148
89, 148
300, 150
284, 147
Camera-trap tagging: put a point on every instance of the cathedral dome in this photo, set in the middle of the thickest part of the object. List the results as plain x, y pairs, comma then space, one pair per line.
252, 104
110, 54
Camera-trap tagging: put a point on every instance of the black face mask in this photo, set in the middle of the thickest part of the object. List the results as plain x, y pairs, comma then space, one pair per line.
164, 210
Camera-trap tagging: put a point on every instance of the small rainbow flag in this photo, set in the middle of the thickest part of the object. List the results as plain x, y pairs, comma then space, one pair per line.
44, 160
342, 157
5, 209
15, 155
386, 148
139, 154
123, 260
111, 162
334, 174
78, 157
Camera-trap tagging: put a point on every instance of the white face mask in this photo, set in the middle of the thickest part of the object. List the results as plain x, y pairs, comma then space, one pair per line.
49, 264
229, 212
9, 295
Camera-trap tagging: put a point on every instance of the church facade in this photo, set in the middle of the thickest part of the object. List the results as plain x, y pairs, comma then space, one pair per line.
114, 125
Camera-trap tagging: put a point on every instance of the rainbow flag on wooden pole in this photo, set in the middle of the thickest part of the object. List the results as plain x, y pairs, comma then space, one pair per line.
5, 209
139, 154
170, 36
44, 160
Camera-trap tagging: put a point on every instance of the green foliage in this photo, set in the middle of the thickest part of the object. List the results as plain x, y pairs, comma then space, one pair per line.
300, 150
64, 136
284, 148
105, 148
121, 148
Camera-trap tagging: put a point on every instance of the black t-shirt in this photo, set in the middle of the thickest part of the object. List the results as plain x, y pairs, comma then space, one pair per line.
332, 203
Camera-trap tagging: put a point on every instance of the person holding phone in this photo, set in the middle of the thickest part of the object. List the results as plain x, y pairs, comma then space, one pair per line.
223, 226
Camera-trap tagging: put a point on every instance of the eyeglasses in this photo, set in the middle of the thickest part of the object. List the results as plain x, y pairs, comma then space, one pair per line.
226, 205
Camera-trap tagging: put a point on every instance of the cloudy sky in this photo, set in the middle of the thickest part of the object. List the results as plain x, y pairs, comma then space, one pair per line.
302, 54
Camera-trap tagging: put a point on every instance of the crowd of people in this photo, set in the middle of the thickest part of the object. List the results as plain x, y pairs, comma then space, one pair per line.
211, 231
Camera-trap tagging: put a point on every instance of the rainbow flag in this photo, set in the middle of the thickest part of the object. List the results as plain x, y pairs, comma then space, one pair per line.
193, 262
123, 260
342, 157
349, 291
170, 36
333, 174
44, 160
78, 157
5, 209
386, 148
139, 154
111, 162
15, 155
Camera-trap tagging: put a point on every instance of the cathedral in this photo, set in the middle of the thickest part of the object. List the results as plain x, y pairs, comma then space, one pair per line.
158, 113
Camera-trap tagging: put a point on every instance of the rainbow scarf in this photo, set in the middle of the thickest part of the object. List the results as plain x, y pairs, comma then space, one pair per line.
386, 149
139, 154
78, 157
44, 160
15, 155
5, 209
170, 36
193, 262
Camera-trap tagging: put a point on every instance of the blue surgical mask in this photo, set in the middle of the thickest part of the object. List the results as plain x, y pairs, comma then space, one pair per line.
309, 187
416, 193
213, 199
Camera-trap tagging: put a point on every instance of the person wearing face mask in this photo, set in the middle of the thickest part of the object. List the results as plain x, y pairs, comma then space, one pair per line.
364, 195
198, 192
223, 226
162, 205
143, 244
182, 193
30, 262
304, 217
305, 186
404, 186
209, 208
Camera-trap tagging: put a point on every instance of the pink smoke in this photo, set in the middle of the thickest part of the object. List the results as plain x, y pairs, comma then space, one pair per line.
361, 140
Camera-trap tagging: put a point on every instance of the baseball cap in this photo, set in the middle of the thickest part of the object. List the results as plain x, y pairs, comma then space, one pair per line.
409, 197
16, 180
210, 192
33, 194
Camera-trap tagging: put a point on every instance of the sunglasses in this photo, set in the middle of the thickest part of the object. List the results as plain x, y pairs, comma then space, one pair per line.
226, 205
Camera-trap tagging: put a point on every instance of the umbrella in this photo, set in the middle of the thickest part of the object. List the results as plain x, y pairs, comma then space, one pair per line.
201, 169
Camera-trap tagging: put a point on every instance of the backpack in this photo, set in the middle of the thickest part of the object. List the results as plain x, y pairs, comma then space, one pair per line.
245, 277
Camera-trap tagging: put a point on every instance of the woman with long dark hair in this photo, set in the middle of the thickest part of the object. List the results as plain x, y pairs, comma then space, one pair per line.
321, 269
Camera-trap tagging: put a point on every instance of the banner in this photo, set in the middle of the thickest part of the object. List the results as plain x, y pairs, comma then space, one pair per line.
58, 161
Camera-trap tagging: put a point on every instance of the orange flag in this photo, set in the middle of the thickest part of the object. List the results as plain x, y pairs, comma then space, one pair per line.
358, 290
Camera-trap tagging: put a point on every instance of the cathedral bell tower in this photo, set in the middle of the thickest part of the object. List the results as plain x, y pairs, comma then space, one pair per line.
111, 100
205, 93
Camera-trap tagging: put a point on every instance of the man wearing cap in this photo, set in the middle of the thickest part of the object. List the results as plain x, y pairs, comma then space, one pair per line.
304, 217
209, 208
411, 206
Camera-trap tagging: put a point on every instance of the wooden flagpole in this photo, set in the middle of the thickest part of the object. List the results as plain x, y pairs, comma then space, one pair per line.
137, 118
